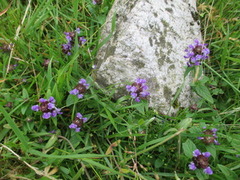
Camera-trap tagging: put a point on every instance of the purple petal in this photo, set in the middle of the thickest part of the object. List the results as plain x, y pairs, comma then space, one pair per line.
144, 94
51, 106
52, 100
141, 81
82, 81
74, 92
84, 119
78, 30
54, 113
77, 129
137, 99
133, 89
214, 130
192, 166
133, 95
80, 96
42, 100
35, 107
196, 153
79, 115
208, 170
196, 41
144, 87
58, 110
46, 115
82, 40
72, 126
205, 51
206, 154
128, 88
216, 142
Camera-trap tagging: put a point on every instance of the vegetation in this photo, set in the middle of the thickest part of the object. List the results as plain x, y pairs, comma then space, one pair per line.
118, 139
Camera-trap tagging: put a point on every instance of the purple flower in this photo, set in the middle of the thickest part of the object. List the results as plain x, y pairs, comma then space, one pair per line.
47, 106
70, 37
200, 160
80, 89
78, 30
210, 136
196, 52
66, 48
77, 124
138, 90
82, 40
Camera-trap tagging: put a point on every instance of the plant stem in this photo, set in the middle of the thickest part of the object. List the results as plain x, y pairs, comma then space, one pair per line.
196, 74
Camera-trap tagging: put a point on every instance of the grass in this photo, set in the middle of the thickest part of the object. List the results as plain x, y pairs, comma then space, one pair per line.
121, 139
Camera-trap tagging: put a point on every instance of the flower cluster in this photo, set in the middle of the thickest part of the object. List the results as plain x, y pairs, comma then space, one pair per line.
47, 106
196, 52
138, 89
200, 160
78, 122
80, 89
210, 136
70, 36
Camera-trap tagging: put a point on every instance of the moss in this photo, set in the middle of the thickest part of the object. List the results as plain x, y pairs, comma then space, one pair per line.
131, 4
169, 45
161, 61
165, 23
138, 64
169, 10
171, 67
150, 41
167, 93
110, 51
162, 41
153, 83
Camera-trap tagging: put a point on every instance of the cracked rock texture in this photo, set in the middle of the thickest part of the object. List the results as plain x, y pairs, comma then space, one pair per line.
148, 42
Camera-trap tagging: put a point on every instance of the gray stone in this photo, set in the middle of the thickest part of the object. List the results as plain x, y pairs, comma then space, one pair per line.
148, 42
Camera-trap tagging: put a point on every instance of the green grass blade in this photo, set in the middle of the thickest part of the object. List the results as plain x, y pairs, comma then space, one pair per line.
14, 127
70, 156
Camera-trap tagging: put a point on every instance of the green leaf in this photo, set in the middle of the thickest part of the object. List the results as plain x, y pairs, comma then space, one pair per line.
212, 149
203, 91
24, 108
158, 163
51, 141
170, 130
200, 174
184, 124
71, 99
25, 94
230, 175
188, 70
188, 148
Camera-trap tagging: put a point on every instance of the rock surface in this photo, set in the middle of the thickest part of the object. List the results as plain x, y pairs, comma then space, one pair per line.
148, 42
